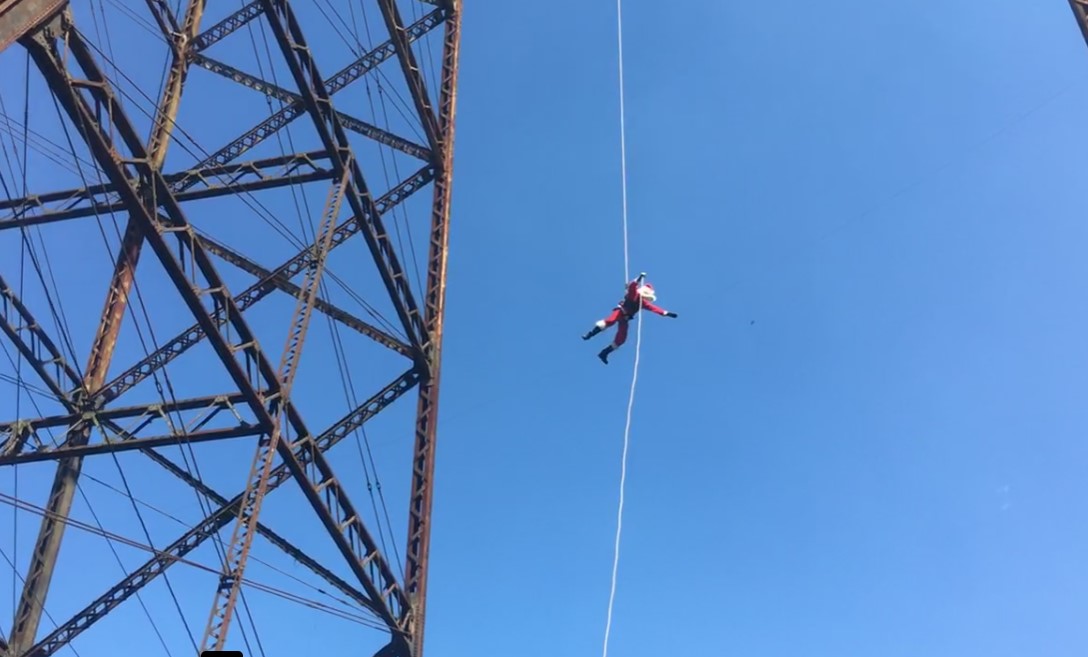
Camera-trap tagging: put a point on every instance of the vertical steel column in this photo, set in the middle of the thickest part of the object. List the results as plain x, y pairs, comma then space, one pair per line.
419, 509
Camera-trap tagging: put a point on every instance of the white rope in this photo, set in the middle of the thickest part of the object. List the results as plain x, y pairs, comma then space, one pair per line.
638, 335
623, 141
623, 481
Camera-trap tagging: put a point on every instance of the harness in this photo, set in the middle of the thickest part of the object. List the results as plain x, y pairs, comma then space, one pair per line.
628, 307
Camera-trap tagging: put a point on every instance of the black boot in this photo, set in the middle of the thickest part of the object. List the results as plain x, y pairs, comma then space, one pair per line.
592, 332
604, 354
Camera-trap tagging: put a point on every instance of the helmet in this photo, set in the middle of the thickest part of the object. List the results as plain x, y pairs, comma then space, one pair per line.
646, 291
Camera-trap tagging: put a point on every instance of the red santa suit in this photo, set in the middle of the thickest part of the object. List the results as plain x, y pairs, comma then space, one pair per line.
639, 296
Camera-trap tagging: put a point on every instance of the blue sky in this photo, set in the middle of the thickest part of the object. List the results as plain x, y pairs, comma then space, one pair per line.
887, 461
862, 436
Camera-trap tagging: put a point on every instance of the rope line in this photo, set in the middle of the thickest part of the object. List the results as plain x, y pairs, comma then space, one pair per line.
638, 334
623, 141
623, 482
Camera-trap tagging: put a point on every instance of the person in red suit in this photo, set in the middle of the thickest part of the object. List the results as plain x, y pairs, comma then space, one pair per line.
640, 294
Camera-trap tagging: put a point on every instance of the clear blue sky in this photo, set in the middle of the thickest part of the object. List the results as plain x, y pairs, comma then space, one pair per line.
863, 436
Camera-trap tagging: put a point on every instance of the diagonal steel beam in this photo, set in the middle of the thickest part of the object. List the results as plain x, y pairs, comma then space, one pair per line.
217, 164
342, 429
282, 543
40, 351
351, 123
335, 512
335, 312
337, 82
180, 38
230, 580
227, 26
423, 462
270, 126
17, 439
412, 75
150, 176
1080, 12
292, 43
238, 178
194, 334
50, 535
277, 279
304, 449
17, 17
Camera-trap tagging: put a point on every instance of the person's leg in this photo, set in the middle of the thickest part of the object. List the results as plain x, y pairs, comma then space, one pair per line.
603, 324
621, 337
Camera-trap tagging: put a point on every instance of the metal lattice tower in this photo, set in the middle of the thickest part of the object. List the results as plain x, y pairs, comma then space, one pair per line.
194, 373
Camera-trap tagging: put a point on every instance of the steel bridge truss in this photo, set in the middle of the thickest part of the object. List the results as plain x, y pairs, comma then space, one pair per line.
260, 407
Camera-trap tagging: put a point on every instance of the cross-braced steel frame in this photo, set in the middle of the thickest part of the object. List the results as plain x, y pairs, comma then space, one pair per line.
153, 202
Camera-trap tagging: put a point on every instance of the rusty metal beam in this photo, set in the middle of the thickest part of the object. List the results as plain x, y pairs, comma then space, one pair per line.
351, 123
230, 580
218, 164
278, 278
41, 352
304, 449
416, 87
337, 82
335, 312
62, 494
164, 17
157, 411
18, 17
423, 462
35, 345
18, 437
192, 431
138, 186
227, 26
181, 40
239, 178
280, 542
89, 449
336, 511
292, 43
194, 334
43, 560
146, 413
